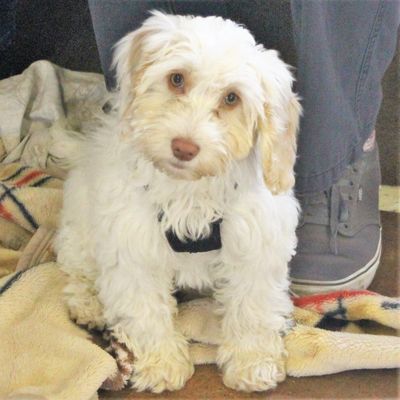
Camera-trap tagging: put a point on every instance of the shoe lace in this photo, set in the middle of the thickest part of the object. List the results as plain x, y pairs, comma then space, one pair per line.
332, 207
336, 209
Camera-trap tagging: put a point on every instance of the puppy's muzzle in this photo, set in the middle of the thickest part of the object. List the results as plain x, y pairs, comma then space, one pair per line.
183, 149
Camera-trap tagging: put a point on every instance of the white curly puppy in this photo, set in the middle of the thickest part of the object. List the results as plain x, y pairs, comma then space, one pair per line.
188, 184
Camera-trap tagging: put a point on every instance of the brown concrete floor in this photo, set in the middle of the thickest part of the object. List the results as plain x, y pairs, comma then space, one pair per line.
378, 384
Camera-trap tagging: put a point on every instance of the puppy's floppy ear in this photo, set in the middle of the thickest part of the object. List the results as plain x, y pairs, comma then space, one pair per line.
126, 60
136, 51
277, 128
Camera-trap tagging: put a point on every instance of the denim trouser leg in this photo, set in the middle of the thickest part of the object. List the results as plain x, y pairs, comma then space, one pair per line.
343, 49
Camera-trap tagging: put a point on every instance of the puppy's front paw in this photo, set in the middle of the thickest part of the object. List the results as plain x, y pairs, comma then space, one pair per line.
166, 369
251, 370
84, 307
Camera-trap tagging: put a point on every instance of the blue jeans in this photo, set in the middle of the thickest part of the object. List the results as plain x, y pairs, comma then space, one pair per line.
341, 49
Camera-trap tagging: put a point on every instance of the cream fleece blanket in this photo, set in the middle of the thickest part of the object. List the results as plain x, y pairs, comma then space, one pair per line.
39, 109
42, 105
44, 354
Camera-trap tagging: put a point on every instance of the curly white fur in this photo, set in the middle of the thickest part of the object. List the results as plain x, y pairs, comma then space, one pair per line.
122, 271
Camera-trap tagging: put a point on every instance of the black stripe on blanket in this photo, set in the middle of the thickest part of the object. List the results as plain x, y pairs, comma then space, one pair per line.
24, 211
7, 191
335, 319
15, 174
386, 305
331, 324
11, 281
41, 181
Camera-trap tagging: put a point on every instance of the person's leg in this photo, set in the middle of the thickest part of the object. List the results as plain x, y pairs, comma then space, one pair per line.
343, 49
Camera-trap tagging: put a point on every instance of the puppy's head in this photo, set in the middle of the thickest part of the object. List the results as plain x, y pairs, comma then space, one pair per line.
198, 93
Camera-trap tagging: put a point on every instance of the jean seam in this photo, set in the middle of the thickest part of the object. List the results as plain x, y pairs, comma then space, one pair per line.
320, 182
337, 164
366, 61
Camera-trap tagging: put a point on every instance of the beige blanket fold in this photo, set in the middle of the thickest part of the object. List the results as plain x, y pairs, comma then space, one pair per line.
311, 351
42, 352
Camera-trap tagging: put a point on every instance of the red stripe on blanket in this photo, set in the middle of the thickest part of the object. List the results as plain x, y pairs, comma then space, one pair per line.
317, 299
5, 214
32, 175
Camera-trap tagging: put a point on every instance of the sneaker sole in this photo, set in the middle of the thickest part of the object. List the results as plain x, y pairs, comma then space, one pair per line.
360, 280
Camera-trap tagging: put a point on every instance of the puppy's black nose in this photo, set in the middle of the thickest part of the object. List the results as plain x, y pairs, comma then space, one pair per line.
184, 149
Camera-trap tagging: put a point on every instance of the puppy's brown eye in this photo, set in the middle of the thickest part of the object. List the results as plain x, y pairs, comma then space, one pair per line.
177, 80
231, 99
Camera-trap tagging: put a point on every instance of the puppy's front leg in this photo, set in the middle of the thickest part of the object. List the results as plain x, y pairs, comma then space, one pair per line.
139, 309
252, 354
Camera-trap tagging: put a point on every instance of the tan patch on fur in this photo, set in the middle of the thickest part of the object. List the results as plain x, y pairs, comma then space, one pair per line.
217, 167
279, 150
138, 73
239, 137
